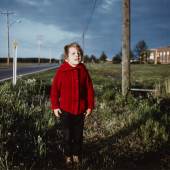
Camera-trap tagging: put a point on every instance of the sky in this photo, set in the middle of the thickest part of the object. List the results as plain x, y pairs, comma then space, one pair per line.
55, 23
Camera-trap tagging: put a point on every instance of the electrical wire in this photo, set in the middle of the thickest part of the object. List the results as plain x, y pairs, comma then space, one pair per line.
90, 18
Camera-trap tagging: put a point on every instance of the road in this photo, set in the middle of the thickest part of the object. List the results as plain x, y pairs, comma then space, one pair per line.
7, 73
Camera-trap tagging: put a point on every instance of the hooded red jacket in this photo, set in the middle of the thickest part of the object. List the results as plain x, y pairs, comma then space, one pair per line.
72, 89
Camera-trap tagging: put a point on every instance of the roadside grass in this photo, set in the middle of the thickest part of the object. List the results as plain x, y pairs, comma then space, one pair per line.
122, 133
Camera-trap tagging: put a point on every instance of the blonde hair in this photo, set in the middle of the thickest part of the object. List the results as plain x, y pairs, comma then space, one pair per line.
74, 44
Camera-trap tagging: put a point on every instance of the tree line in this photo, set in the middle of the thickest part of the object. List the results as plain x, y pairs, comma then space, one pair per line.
139, 54
30, 60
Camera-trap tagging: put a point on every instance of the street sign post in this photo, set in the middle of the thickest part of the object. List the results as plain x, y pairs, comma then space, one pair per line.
15, 46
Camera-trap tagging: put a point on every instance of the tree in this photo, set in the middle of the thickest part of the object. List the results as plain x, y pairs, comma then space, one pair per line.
93, 59
86, 59
117, 58
103, 57
126, 48
141, 51
132, 56
61, 60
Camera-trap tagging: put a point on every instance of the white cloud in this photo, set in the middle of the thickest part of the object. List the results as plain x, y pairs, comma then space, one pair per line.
29, 2
35, 3
47, 2
107, 5
27, 32
30, 30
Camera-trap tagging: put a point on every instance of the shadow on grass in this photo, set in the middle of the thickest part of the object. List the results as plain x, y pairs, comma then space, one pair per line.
106, 154
99, 155
103, 154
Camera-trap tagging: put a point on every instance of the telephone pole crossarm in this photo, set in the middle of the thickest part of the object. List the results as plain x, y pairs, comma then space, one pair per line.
8, 13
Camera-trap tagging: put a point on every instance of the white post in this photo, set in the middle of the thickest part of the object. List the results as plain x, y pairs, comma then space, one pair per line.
15, 63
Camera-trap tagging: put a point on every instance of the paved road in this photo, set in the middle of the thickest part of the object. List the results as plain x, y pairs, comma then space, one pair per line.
7, 73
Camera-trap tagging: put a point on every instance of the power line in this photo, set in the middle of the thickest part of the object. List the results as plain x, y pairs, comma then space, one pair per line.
89, 21
6, 13
91, 16
40, 40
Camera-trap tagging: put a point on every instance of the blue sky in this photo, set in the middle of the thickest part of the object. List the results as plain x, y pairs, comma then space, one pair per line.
59, 22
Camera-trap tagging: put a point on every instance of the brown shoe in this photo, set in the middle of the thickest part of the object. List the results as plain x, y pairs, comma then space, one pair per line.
76, 159
68, 160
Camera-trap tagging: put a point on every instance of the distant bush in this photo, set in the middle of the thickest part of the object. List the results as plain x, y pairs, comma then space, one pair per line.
116, 59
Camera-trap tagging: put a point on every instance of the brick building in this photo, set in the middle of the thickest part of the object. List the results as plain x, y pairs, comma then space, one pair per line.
160, 55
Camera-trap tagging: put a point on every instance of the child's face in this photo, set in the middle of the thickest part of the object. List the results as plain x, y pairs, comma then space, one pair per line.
74, 56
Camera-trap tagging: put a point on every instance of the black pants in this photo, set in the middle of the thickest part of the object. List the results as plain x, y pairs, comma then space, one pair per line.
72, 128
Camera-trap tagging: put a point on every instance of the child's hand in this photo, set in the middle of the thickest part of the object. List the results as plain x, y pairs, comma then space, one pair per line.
57, 112
88, 112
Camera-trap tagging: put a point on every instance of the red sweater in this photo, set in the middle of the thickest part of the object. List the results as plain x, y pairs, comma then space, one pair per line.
72, 89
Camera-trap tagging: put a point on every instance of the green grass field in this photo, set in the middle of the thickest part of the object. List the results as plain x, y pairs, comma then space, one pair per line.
146, 74
122, 133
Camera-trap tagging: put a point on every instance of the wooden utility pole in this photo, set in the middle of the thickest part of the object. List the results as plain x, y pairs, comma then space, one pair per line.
39, 39
126, 48
83, 46
83, 41
8, 13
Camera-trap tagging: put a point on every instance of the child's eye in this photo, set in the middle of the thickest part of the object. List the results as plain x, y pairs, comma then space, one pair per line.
78, 53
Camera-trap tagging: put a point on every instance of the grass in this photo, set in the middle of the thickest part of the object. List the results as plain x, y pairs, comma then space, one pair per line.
122, 133
143, 73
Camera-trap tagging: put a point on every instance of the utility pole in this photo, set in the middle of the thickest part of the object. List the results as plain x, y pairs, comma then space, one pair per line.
8, 13
126, 48
50, 55
39, 39
83, 41
83, 47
